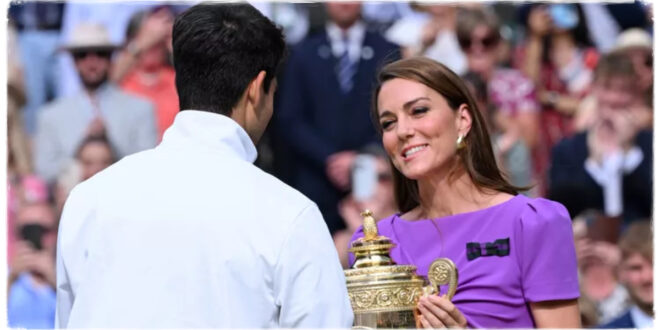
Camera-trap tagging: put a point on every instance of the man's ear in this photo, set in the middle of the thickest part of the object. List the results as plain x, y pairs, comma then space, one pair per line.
255, 92
463, 120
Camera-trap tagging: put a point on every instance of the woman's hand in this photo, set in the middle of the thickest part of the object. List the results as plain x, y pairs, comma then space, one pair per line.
155, 28
439, 312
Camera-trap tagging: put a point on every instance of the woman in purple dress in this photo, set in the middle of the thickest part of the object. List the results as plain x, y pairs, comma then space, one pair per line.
515, 255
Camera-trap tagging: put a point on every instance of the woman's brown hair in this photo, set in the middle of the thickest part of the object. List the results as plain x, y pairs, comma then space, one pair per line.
477, 156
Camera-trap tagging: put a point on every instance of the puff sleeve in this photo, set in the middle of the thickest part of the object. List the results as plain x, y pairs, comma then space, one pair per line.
547, 252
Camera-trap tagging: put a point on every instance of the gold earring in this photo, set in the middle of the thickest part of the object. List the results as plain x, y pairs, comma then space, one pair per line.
460, 143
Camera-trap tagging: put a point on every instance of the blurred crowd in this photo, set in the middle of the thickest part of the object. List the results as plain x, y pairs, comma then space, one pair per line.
567, 90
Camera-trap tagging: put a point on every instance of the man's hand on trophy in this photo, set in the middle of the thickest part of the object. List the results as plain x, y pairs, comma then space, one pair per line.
440, 312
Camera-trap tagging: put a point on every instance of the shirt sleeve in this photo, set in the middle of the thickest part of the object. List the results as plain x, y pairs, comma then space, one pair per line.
547, 252
310, 287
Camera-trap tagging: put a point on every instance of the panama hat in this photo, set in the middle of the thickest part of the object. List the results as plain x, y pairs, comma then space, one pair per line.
633, 38
89, 36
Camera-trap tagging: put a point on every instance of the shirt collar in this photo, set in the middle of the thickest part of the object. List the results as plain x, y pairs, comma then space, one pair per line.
104, 88
209, 130
640, 319
354, 34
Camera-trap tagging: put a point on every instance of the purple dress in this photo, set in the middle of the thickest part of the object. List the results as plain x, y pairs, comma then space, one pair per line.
507, 255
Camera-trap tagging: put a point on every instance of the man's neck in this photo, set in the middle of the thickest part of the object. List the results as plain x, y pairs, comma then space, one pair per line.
91, 92
345, 26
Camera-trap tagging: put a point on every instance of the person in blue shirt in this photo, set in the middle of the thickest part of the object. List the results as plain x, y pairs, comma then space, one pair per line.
31, 282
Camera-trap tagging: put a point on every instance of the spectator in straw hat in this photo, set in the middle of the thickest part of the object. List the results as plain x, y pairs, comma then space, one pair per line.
101, 108
637, 44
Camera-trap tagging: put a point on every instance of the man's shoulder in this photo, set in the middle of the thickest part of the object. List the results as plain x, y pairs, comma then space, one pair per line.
572, 143
644, 139
135, 162
59, 107
280, 191
374, 38
255, 182
312, 44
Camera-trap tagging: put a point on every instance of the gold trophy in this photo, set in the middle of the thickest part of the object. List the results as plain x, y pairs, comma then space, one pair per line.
383, 294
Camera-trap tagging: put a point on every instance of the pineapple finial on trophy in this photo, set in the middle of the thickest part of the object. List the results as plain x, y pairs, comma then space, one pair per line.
369, 225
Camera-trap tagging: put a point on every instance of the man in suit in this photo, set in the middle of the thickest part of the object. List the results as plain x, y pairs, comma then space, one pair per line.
608, 167
100, 109
324, 105
636, 274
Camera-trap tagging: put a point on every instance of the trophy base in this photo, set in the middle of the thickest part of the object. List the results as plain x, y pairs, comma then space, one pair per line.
404, 319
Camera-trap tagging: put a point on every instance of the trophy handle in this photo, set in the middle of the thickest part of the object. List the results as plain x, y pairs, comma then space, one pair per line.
442, 272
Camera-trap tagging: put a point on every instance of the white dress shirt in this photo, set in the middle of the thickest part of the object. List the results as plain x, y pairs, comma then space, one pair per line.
609, 175
191, 234
354, 36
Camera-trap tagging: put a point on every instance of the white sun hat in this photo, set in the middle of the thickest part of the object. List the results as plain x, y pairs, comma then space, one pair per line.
89, 36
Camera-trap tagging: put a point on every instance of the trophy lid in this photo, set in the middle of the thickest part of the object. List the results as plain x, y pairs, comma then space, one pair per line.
371, 250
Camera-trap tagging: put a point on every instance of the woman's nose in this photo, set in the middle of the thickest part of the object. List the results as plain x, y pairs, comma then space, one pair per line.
404, 129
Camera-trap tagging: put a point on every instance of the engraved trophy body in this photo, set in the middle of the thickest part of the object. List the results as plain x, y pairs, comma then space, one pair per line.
383, 294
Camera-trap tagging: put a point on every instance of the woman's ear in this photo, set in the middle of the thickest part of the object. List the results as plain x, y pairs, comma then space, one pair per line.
463, 120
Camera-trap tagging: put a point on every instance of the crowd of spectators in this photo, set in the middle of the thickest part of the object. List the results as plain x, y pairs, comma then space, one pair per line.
566, 88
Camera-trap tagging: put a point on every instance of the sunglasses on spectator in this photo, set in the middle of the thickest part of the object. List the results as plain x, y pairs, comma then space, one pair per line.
81, 54
487, 42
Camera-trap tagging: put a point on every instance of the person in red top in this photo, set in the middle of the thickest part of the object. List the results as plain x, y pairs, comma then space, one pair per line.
145, 69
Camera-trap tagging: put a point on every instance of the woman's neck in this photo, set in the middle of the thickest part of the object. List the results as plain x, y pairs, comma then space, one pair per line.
445, 195
487, 73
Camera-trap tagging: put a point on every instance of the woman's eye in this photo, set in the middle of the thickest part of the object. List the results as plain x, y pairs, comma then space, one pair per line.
386, 124
419, 110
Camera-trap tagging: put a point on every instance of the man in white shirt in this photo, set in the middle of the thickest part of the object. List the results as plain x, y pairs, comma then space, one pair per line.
191, 234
